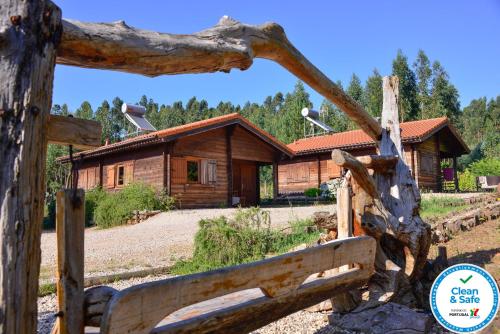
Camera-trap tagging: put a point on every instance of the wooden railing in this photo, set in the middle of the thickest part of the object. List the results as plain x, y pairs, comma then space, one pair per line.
242, 298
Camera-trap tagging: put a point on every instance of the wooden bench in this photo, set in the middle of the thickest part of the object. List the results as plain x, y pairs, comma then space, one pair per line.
242, 298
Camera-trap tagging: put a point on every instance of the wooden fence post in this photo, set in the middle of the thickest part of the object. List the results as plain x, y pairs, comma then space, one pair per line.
70, 228
29, 34
346, 301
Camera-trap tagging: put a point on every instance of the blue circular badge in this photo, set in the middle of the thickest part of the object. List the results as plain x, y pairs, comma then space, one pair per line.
464, 298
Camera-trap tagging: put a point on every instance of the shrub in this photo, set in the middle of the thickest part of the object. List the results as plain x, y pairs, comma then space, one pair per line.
92, 198
467, 181
312, 192
116, 208
247, 237
486, 167
49, 219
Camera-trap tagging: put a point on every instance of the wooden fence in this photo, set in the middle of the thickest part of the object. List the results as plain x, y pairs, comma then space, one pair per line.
235, 299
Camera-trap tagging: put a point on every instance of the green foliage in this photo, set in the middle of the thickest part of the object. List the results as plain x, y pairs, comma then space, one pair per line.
467, 181
290, 122
49, 219
312, 192
247, 237
408, 92
440, 206
46, 289
92, 199
115, 209
486, 167
374, 94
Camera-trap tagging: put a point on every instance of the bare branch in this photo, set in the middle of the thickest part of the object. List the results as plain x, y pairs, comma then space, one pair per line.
227, 45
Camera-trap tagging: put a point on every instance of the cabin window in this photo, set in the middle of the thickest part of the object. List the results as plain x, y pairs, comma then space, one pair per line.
193, 174
426, 163
120, 176
193, 170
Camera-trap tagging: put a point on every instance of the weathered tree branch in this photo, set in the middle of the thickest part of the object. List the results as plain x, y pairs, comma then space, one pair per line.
227, 45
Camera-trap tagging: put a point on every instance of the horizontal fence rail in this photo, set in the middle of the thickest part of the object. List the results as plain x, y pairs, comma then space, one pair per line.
242, 298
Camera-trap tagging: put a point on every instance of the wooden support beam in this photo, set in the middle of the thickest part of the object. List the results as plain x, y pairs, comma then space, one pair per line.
275, 181
379, 163
257, 181
229, 158
230, 44
70, 229
81, 133
455, 174
359, 172
29, 34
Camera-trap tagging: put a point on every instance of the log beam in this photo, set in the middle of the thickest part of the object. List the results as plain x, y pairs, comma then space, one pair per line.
227, 45
379, 163
359, 172
29, 34
81, 133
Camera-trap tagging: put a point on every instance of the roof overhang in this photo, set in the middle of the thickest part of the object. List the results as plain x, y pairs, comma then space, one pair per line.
155, 139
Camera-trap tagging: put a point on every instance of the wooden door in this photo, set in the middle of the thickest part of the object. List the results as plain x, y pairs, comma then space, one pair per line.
248, 184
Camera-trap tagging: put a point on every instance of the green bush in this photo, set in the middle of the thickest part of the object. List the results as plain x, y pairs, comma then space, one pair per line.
312, 192
486, 167
467, 181
92, 198
115, 209
49, 219
247, 237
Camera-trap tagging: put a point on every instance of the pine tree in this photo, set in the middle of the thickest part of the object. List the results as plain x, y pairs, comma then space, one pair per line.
103, 116
444, 96
290, 124
85, 111
334, 117
409, 105
355, 90
423, 72
373, 94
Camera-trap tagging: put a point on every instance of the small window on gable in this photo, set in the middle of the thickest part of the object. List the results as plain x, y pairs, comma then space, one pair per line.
193, 171
120, 176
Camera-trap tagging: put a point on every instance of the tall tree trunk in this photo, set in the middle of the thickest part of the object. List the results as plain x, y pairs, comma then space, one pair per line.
29, 34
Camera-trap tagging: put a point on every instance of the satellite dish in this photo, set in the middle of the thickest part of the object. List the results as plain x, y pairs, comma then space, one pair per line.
135, 115
313, 117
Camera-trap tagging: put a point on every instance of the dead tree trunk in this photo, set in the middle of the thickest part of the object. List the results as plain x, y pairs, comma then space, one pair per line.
386, 206
29, 34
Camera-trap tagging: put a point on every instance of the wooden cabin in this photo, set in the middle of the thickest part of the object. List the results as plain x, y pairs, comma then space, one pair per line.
215, 162
426, 144
210, 163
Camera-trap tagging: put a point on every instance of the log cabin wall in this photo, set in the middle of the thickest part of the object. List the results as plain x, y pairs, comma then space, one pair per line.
116, 170
248, 147
427, 175
301, 173
209, 146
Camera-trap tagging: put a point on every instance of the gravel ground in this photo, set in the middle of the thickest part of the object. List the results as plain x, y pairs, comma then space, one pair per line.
157, 242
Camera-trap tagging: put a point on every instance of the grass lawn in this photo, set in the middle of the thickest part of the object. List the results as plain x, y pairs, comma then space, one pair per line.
436, 207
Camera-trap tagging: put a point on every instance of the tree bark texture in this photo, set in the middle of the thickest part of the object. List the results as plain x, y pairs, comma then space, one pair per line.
29, 34
227, 45
386, 206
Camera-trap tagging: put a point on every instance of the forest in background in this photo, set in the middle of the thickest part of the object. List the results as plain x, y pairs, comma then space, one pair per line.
426, 91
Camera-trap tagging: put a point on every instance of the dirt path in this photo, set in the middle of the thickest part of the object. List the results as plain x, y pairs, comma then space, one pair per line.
159, 241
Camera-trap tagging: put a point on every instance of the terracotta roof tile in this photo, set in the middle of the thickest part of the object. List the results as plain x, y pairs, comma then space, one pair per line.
233, 118
410, 131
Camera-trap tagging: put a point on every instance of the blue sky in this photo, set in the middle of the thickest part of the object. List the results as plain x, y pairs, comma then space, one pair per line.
340, 37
